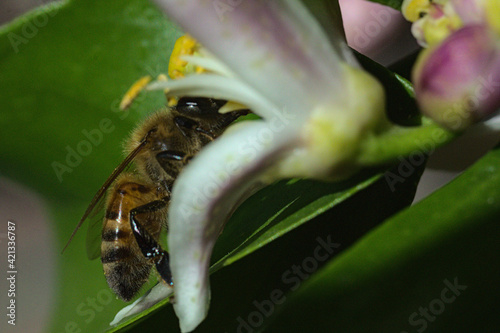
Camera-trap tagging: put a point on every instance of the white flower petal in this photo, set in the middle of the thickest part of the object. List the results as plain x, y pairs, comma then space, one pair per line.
155, 295
210, 187
209, 63
216, 86
269, 45
283, 67
493, 124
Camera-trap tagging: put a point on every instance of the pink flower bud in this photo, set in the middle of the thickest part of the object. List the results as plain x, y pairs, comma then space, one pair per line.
457, 82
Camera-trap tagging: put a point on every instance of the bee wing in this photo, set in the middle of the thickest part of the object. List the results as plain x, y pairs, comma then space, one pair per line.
99, 196
94, 238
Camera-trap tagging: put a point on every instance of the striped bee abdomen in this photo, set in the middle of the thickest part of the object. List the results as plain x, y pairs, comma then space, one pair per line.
126, 277
125, 267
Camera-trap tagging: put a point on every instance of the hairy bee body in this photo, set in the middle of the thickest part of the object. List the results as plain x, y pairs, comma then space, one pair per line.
125, 267
137, 203
179, 134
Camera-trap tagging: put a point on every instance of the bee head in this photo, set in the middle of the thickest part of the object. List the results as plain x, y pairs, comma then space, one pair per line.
199, 106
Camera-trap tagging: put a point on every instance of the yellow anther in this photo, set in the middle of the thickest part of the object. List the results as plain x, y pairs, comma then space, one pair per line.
440, 23
134, 91
433, 20
162, 77
413, 9
231, 106
178, 67
172, 100
437, 30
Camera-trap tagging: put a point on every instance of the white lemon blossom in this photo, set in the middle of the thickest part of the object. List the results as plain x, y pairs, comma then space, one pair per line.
317, 106
322, 116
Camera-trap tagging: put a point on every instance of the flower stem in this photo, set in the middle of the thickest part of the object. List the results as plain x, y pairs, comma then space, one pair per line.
398, 141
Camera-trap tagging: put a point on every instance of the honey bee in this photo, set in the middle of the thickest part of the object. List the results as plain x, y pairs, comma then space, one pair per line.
137, 203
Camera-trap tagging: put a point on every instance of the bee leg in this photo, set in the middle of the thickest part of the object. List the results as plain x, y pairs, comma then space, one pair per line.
163, 267
147, 244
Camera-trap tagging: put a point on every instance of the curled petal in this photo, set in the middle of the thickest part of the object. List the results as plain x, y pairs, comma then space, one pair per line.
201, 202
493, 124
222, 87
418, 31
155, 295
458, 82
280, 64
278, 43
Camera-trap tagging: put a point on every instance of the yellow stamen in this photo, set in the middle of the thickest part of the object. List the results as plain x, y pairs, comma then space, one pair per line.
413, 9
172, 101
162, 77
437, 30
134, 91
232, 106
178, 67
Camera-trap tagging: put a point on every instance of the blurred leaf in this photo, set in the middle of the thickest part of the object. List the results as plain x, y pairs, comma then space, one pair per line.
394, 279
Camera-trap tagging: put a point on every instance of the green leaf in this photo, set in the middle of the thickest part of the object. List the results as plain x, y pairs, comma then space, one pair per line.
252, 279
398, 277
401, 106
284, 206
